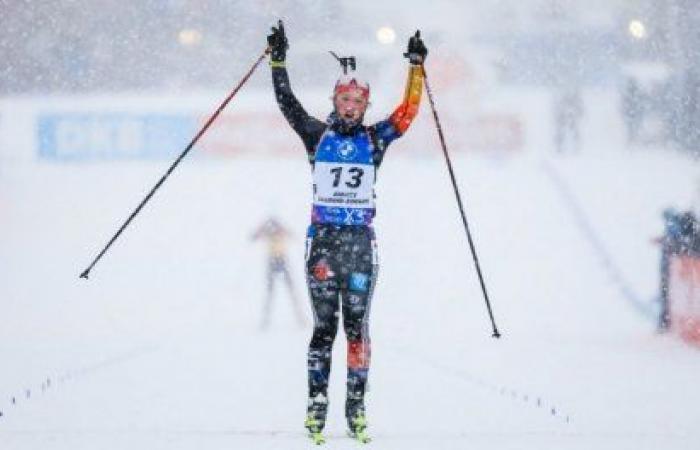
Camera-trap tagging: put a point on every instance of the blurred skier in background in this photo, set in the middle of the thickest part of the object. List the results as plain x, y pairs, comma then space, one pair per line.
568, 111
632, 110
341, 255
276, 237
681, 237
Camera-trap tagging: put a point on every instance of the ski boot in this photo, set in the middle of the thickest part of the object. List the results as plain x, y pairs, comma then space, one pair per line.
357, 422
316, 418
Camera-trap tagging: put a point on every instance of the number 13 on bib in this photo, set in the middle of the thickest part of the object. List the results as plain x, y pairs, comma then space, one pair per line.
344, 192
344, 185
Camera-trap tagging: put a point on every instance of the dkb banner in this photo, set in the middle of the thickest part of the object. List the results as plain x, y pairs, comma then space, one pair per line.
101, 136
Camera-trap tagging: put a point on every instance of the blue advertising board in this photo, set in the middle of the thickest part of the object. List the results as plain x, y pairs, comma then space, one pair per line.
88, 136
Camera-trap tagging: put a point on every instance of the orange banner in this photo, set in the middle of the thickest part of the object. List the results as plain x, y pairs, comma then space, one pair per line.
684, 297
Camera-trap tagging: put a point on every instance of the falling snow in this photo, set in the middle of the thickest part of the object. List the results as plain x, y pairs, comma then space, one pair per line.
572, 126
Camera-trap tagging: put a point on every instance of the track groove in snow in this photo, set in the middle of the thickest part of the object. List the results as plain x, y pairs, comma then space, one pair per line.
585, 224
541, 402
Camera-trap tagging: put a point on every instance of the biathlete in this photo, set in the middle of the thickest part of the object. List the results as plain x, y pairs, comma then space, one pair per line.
276, 237
341, 255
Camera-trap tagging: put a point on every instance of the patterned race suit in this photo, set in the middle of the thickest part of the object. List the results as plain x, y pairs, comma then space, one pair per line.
341, 261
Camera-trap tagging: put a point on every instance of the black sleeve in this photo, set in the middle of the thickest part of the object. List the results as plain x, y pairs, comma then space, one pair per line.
308, 128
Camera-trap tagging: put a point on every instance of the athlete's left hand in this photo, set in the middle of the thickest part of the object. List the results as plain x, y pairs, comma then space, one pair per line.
417, 51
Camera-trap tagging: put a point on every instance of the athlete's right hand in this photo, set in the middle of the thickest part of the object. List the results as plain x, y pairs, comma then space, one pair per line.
277, 41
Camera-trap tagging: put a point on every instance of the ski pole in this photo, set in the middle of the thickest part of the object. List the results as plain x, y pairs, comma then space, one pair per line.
199, 134
496, 334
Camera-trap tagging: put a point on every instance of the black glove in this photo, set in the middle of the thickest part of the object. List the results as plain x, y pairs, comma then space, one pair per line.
417, 52
278, 43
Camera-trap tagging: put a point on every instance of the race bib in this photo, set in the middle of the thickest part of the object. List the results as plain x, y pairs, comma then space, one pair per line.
344, 185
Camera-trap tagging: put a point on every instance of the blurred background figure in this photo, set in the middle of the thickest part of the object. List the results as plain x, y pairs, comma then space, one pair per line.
632, 110
568, 111
275, 236
681, 238
688, 119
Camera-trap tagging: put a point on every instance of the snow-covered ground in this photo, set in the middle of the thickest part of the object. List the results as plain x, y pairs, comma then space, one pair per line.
160, 349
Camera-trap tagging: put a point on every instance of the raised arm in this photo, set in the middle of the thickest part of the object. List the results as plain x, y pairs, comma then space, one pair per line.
404, 114
308, 128
399, 121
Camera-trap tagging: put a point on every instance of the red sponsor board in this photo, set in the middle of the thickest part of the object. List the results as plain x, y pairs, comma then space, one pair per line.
684, 297
252, 133
267, 133
496, 133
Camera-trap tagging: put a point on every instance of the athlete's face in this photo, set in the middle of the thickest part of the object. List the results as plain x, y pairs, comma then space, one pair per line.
351, 105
